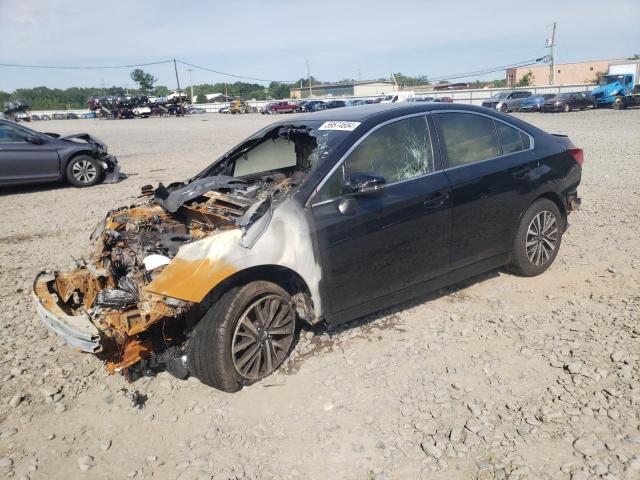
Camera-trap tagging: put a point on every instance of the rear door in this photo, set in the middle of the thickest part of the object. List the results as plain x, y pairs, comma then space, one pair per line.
575, 101
23, 161
490, 166
392, 240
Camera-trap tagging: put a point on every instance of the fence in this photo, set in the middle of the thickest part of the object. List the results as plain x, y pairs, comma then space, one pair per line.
477, 96
471, 96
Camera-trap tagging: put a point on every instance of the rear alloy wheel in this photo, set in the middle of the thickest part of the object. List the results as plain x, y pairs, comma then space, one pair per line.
542, 237
83, 171
244, 337
538, 239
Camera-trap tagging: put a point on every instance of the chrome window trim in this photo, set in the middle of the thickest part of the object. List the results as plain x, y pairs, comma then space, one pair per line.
309, 204
531, 139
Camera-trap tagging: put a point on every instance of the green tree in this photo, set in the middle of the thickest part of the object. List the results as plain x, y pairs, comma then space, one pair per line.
405, 80
201, 98
161, 91
279, 90
597, 78
305, 81
635, 57
144, 79
526, 80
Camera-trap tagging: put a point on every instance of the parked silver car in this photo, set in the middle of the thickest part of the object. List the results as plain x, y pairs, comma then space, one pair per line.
28, 156
507, 101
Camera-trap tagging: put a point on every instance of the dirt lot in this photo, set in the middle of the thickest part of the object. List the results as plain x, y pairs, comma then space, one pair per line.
499, 377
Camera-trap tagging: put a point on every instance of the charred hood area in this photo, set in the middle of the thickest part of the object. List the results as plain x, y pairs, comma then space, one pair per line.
134, 244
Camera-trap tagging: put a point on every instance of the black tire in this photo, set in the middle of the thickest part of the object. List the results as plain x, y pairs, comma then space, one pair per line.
521, 263
211, 352
504, 108
84, 171
566, 108
618, 104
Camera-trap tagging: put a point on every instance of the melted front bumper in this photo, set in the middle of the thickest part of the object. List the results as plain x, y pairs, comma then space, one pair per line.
76, 330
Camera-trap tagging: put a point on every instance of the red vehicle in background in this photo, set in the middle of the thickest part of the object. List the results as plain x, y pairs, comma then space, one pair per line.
280, 107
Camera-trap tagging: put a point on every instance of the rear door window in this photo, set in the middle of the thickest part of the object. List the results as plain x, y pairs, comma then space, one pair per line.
467, 138
511, 139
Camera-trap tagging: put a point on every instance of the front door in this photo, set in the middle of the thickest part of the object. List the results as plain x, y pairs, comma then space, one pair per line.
376, 244
23, 161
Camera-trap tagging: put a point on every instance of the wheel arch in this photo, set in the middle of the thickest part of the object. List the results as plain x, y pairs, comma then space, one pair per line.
557, 199
284, 277
73, 154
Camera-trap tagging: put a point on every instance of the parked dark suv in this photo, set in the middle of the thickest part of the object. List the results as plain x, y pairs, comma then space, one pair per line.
325, 216
507, 101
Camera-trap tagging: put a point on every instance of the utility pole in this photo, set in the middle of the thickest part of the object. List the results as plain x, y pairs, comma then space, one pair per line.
191, 83
551, 45
309, 80
175, 67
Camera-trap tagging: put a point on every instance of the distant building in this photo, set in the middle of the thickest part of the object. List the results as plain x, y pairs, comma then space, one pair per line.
437, 87
354, 89
564, 73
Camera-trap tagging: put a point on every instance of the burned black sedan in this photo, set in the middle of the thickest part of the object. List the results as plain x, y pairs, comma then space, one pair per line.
28, 156
324, 217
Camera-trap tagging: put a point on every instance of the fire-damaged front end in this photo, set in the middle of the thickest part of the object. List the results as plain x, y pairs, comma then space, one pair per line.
105, 306
137, 298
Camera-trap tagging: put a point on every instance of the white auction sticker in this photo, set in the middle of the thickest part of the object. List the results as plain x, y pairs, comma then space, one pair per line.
335, 125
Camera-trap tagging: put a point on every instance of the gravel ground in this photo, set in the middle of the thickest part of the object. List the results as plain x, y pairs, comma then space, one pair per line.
499, 377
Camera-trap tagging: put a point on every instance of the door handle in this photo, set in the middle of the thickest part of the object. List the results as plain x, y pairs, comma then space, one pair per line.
523, 172
436, 200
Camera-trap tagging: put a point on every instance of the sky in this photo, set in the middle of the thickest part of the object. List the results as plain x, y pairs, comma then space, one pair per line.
273, 39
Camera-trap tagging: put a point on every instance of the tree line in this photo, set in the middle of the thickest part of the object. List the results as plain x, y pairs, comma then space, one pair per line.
43, 98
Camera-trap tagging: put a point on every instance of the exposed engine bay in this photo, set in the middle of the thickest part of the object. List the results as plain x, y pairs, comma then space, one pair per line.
113, 290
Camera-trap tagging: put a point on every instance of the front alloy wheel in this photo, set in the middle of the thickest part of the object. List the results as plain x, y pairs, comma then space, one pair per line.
263, 337
244, 336
542, 238
83, 171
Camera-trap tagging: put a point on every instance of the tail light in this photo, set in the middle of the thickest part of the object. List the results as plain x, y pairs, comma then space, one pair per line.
577, 154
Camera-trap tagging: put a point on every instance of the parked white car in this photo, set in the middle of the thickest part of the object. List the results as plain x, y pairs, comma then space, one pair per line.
397, 97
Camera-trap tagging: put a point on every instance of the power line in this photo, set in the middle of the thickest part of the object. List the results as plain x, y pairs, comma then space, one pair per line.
96, 67
64, 67
233, 75
524, 63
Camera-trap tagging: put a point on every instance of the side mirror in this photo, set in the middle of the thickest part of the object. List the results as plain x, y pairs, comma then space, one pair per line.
364, 184
34, 139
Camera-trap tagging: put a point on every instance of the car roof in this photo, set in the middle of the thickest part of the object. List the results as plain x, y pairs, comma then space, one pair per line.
361, 113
